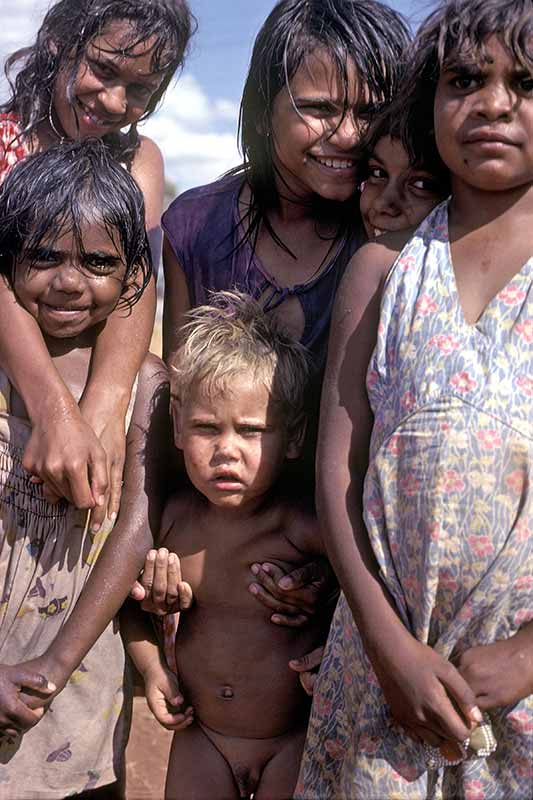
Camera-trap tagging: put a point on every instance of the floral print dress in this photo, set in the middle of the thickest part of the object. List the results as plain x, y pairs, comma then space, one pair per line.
47, 553
448, 510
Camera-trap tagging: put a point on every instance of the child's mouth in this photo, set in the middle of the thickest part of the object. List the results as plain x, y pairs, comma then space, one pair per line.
95, 119
336, 163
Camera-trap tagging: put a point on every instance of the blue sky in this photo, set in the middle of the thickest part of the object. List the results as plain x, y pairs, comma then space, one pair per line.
196, 126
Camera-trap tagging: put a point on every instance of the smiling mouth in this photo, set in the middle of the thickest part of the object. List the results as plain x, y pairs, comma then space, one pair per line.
65, 309
335, 163
96, 119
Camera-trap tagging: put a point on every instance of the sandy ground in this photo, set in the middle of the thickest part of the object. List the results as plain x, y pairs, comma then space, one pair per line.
146, 755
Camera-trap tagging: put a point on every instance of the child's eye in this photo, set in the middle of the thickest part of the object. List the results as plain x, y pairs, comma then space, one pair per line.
424, 184
141, 92
251, 430
376, 173
100, 69
42, 259
317, 109
100, 265
526, 84
465, 82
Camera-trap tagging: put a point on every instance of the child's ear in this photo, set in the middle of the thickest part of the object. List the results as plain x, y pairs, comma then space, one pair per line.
296, 437
175, 412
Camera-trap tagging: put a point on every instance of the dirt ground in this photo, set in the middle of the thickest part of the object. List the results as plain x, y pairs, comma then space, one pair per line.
146, 755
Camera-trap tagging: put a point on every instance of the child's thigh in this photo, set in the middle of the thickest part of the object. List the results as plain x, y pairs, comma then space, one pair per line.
196, 770
278, 779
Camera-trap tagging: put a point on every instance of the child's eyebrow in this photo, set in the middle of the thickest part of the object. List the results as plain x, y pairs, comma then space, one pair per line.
101, 255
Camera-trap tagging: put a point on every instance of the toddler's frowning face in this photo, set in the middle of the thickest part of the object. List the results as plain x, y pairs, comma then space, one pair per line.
70, 286
234, 441
396, 195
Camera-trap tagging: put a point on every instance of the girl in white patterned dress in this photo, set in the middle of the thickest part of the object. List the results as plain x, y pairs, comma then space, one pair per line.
434, 632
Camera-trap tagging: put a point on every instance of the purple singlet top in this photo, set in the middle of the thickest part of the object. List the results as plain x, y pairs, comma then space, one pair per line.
202, 226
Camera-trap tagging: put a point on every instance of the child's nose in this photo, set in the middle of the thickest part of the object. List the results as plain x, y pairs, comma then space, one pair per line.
389, 201
226, 448
346, 132
494, 102
113, 99
68, 279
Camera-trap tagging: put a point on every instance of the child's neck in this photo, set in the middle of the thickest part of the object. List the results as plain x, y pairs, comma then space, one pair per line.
472, 209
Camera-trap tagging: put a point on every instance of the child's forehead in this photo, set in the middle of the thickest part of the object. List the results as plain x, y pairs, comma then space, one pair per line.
472, 52
123, 42
319, 73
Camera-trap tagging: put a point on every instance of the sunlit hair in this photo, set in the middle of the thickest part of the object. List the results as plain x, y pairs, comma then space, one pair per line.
233, 336
423, 154
64, 189
62, 40
363, 33
455, 35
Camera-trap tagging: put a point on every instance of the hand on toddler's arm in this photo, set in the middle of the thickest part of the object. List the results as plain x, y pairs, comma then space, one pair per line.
165, 699
296, 596
160, 589
15, 713
501, 673
308, 667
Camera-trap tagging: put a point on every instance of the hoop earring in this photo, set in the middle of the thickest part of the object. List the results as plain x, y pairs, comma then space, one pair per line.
61, 138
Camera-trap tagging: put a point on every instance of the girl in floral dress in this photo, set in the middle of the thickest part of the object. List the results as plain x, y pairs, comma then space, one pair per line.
432, 641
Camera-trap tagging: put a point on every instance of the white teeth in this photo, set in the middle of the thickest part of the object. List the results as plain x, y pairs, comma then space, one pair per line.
335, 163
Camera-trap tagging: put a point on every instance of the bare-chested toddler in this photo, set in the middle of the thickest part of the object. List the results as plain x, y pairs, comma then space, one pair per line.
240, 713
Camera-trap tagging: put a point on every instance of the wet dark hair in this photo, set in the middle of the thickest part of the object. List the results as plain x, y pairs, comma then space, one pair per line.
366, 33
456, 31
67, 30
422, 152
61, 190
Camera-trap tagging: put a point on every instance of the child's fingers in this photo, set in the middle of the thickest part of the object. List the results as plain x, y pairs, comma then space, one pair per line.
98, 479
185, 596
299, 578
160, 582
137, 592
34, 680
463, 696
309, 661
147, 577
115, 492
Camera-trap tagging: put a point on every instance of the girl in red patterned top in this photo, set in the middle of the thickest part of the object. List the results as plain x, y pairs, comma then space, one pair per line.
96, 69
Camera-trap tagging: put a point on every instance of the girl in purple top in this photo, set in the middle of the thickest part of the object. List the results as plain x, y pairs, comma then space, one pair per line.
284, 224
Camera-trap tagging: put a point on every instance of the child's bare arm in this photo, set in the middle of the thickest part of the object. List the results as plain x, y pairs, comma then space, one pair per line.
161, 685
123, 554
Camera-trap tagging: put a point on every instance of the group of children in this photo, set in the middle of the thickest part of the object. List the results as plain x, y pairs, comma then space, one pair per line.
425, 689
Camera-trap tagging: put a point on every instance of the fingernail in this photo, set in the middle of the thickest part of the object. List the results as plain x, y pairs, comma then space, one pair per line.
294, 662
51, 686
285, 583
95, 527
266, 568
101, 500
276, 620
253, 588
255, 569
151, 555
113, 516
476, 714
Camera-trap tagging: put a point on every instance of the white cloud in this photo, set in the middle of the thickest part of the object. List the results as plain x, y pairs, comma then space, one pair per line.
196, 135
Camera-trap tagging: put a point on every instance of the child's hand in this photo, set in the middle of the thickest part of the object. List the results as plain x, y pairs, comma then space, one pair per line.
308, 667
15, 714
160, 589
296, 596
66, 454
164, 699
500, 674
426, 694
